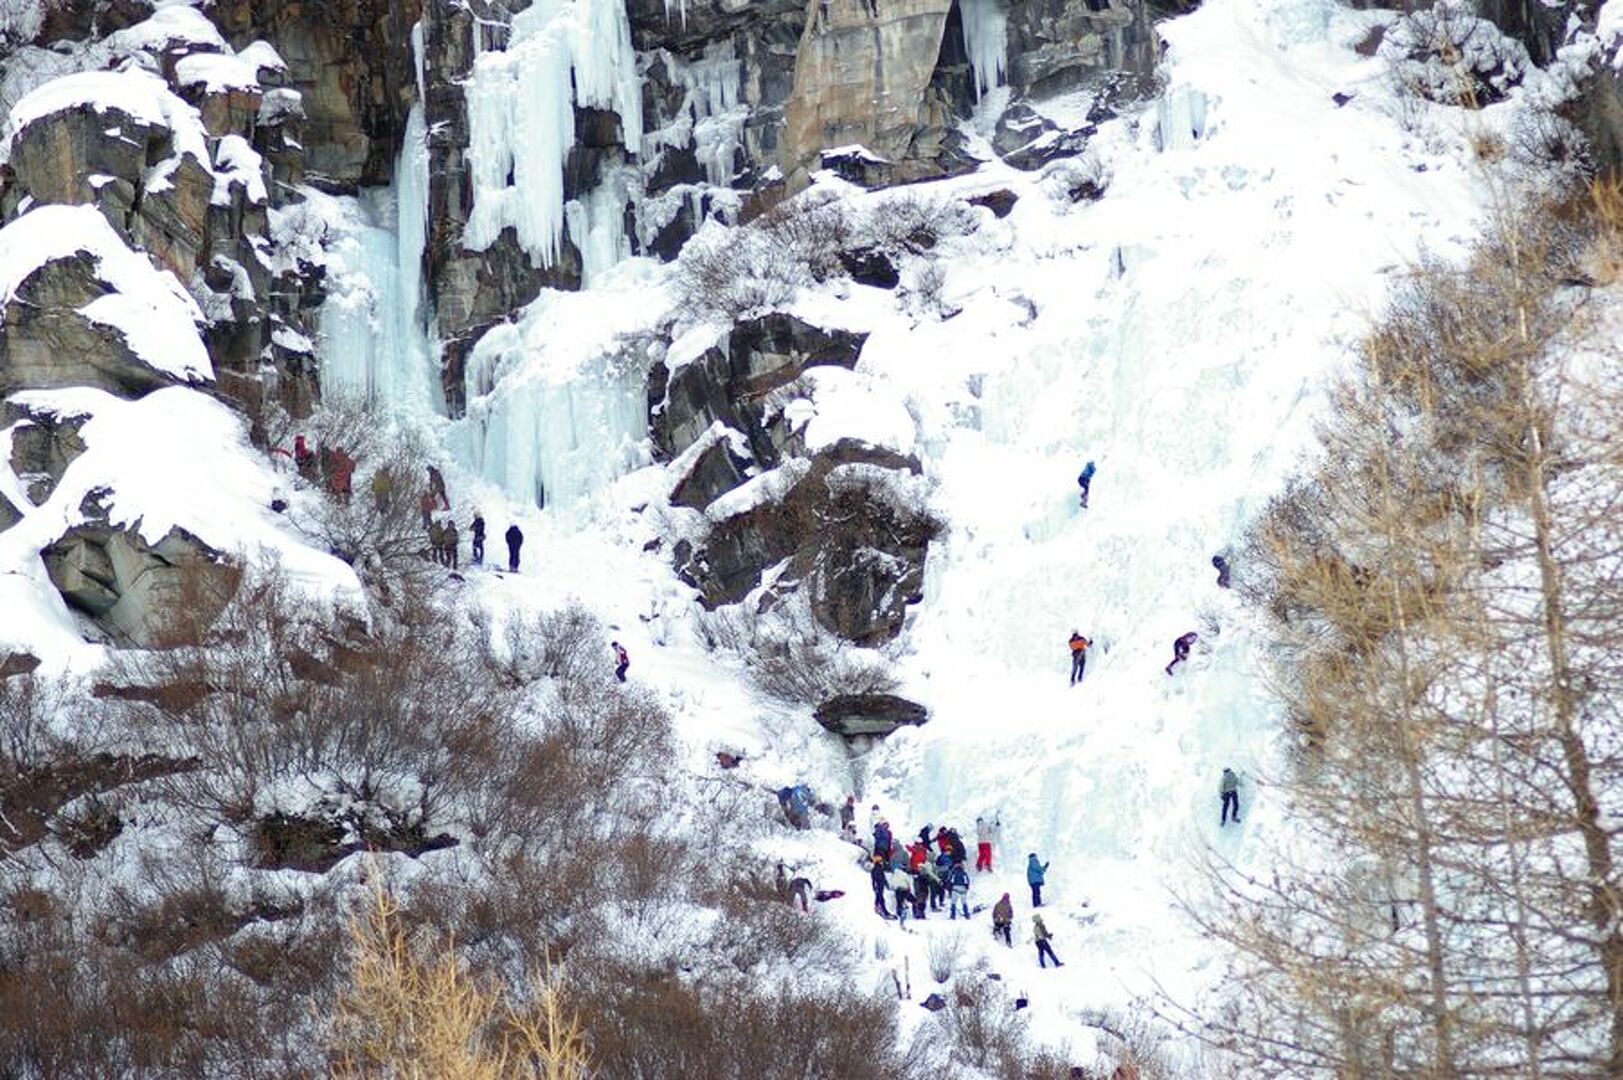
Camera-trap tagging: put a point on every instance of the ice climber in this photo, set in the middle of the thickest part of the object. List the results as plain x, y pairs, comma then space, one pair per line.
453, 543
436, 487
1035, 871
476, 529
1222, 566
1041, 938
515, 540
1079, 656
622, 660
1180, 649
1003, 921
877, 873
985, 831
1085, 481
1229, 789
957, 890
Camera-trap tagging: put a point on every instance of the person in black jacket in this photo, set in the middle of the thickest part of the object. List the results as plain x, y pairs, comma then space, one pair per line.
477, 529
515, 540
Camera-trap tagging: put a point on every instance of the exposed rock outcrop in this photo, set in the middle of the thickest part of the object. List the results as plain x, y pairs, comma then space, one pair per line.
43, 445
869, 714
132, 589
351, 61
849, 530
861, 75
729, 384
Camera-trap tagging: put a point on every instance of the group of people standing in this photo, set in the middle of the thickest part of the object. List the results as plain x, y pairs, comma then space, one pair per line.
930, 874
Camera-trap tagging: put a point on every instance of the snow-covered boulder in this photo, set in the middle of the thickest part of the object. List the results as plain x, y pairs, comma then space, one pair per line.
124, 142
79, 308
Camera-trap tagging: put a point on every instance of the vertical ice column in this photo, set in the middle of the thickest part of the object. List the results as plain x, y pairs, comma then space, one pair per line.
521, 116
373, 342
986, 28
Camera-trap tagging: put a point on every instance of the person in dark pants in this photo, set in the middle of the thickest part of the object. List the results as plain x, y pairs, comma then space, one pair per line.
1222, 566
1085, 481
477, 529
1079, 656
1003, 921
1180, 649
1041, 938
621, 660
515, 540
877, 875
1035, 872
1229, 789
452, 543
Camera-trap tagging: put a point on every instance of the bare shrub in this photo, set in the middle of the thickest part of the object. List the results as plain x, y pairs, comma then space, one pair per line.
1444, 53
567, 645
914, 224
760, 266
983, 1029
664, 1026
942, 953
793, 657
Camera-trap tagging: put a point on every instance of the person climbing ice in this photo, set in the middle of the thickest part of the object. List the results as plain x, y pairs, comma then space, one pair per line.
622, 660
1229, 790
1221, 565
1180, 649
1079, 656
1084, 481
985, 833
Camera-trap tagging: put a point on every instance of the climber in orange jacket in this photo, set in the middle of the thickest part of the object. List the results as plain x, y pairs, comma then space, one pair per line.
1079, 656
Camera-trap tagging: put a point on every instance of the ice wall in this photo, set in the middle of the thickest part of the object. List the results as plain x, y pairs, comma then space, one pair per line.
986, 41
521, 116
556, 408
373, 341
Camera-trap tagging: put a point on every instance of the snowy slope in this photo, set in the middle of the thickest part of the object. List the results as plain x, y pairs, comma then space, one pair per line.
1177, 332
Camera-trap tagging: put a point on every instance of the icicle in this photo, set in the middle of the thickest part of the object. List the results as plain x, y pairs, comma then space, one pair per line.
521, 115
986, 42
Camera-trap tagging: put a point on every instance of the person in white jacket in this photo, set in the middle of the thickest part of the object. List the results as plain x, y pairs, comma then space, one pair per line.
987, 833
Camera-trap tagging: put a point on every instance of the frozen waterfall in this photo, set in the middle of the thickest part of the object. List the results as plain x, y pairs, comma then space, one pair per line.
521, 118
557, 405
373, 341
